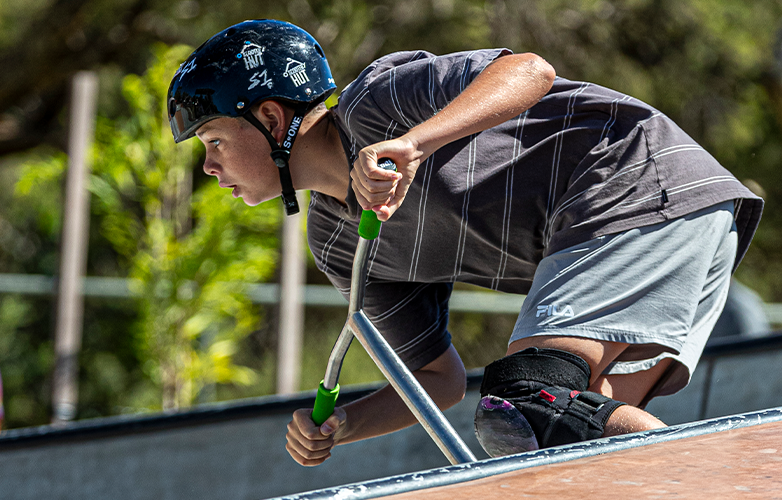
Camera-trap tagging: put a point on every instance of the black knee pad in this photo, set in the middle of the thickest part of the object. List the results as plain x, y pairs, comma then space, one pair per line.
546, 388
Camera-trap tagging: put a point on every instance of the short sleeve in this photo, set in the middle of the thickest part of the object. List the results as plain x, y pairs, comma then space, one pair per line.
403, 89
412, 317
412, 92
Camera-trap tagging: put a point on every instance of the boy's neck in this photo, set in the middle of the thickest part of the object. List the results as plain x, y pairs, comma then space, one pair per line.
318, 161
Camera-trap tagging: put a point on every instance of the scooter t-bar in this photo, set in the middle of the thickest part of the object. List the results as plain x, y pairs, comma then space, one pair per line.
398, 375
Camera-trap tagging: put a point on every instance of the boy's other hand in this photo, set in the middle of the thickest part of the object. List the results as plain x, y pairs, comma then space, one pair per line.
310, 445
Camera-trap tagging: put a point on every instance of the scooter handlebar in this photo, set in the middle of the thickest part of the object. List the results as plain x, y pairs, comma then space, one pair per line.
325, 401
369, 226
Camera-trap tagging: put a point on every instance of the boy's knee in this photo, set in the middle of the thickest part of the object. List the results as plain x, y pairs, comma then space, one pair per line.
538, 398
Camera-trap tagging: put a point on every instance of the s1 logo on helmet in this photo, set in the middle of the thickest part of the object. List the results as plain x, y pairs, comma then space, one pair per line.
186, 68
255, 80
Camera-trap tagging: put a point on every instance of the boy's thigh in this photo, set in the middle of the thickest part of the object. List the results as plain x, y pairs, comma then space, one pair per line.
633, 388
632, 300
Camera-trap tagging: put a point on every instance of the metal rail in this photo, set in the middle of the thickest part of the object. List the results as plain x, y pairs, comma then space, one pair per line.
268, 293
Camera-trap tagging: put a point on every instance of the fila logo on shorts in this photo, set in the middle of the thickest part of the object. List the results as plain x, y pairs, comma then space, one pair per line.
554, 310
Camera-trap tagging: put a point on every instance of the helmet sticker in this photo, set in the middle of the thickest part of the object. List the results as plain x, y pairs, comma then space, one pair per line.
186, 68
255, 80
295, 70
252, 55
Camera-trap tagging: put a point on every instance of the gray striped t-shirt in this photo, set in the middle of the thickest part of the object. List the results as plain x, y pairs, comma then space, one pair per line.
584, 162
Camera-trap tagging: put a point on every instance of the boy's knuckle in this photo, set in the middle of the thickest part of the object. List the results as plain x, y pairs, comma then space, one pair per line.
311, 433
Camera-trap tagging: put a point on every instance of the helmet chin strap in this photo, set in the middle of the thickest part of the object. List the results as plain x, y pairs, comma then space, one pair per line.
281, 154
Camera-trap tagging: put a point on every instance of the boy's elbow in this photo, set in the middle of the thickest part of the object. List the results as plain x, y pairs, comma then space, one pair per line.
547, 68
461, 391
457, 386
545, 71
454, 389
452, 393
445, 379
549, 73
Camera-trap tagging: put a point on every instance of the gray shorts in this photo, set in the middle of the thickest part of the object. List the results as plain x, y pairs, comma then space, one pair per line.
660, 288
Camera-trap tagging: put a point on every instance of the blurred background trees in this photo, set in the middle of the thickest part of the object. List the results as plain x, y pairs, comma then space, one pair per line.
712, 65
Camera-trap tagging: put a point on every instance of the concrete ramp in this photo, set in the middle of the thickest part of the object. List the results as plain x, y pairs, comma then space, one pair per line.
730, 457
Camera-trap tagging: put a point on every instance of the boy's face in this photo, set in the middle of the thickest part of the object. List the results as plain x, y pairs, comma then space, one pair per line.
238, 155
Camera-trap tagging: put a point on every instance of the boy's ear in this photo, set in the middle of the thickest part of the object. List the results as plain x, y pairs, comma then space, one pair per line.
273, 116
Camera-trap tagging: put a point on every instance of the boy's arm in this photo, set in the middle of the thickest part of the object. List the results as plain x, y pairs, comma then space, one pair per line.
505, 88
376, 414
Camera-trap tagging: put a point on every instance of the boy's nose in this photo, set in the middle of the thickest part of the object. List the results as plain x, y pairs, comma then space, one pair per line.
210, 167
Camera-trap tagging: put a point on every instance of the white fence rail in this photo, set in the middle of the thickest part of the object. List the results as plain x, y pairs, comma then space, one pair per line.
269, 293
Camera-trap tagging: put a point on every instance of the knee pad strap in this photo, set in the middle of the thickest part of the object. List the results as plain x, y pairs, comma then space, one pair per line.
563, 416
545, 366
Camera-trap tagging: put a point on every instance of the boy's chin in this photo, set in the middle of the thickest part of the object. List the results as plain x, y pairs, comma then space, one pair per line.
250, 201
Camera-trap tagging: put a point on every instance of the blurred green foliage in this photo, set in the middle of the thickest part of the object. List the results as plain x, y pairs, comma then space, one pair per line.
23, 359
711, 65
193, 312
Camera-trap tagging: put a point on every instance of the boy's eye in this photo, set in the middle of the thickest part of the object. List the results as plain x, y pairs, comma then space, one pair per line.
216, 142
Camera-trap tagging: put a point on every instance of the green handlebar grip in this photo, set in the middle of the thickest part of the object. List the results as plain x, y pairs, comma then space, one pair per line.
369, 226
324, 403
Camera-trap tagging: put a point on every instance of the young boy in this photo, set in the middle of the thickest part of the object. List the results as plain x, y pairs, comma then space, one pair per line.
620, 228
